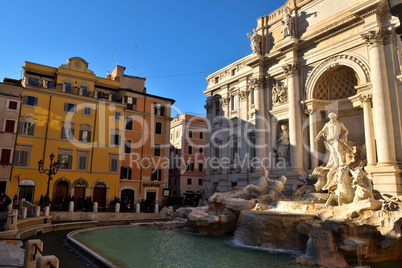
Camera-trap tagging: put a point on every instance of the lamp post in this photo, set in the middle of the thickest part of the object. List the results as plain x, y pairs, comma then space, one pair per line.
52, 170
395, 7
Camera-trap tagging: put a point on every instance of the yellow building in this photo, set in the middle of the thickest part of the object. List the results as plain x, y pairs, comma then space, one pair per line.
77, 116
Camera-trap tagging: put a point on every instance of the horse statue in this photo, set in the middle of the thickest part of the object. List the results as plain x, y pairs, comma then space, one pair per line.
344, 192
362, 185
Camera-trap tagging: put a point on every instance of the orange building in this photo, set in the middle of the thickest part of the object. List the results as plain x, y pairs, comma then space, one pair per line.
144, 158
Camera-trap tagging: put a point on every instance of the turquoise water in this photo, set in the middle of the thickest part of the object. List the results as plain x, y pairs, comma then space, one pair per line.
151, 247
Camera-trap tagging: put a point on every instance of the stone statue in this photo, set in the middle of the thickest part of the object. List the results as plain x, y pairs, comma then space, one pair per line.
283, 144
335, 141
344, 192
255, 40
362, 185
288, 28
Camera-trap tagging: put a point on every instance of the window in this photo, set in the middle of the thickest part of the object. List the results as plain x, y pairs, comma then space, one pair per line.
131, 103
21, 158
99, 94
235, 150
82, 162
217, 108
158, 128
85, 135
65, 161
84, 90
33, 81
127, 146
252, 96
12, 105
31, 100
70, 107
129, 123
27, 128
190, 133
201, 135
115, 139
171, 135
51, 84
233, 103
158, 109
201, 151
177, 134
157, 150
117, 116
5, 156
9, 125
190, 167
252, 147
234, 71
156, 174
199, 181
87, 111
125, 173
188, 181
216, 80
200, 167
216, 152
190, 149
67, 133
67, 87
114, 164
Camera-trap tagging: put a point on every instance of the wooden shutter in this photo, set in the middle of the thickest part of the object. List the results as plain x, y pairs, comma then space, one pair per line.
32, 129
35, 101
70, 161
25, 158
129, 173
16, 158
89, 136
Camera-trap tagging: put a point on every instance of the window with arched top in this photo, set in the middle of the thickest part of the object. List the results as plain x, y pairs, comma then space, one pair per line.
336, 83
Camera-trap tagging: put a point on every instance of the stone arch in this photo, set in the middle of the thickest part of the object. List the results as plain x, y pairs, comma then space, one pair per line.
79, 188
58, 192
358, 65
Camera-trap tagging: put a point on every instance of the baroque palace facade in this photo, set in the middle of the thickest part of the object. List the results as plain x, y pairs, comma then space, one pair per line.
99, 130
309, 58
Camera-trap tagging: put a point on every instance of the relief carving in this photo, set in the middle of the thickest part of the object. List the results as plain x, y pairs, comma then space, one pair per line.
279, 94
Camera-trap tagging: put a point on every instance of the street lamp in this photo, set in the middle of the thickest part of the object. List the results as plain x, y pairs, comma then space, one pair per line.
395, 7
52, 170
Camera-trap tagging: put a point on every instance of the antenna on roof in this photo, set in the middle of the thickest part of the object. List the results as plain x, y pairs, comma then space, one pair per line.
135, 54
114, 56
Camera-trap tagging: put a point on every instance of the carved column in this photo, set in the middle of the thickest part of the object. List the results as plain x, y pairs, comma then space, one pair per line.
260, 122
369, 130
313, 133
381, 98
295, 130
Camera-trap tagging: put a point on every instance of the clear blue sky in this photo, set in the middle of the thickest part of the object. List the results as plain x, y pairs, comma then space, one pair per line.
179, 42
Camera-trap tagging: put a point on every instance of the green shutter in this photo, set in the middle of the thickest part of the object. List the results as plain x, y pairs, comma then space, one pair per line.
16, 157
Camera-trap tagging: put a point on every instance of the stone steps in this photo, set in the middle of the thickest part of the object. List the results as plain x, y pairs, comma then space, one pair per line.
11, 255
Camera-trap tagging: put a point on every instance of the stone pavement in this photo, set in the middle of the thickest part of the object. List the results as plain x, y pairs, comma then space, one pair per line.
11, 255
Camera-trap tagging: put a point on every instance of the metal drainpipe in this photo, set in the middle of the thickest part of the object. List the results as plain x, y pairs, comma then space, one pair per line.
93, 137
142, 146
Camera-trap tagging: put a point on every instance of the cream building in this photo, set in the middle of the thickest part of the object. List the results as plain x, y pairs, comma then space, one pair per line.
309, 58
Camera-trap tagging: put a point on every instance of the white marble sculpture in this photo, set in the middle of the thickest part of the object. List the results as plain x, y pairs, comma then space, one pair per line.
344, 192
362, 185
336, 137
288, 27
283, 145
255, 40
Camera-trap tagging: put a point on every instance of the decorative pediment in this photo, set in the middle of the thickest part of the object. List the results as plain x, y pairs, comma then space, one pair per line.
77, 64
28, 118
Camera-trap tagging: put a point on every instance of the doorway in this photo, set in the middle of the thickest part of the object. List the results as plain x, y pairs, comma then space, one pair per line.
100, 194
127, 198
151, 197
26, 189
61, 191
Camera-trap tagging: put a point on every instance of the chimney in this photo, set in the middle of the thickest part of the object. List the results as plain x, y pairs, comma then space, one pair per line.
108, 75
